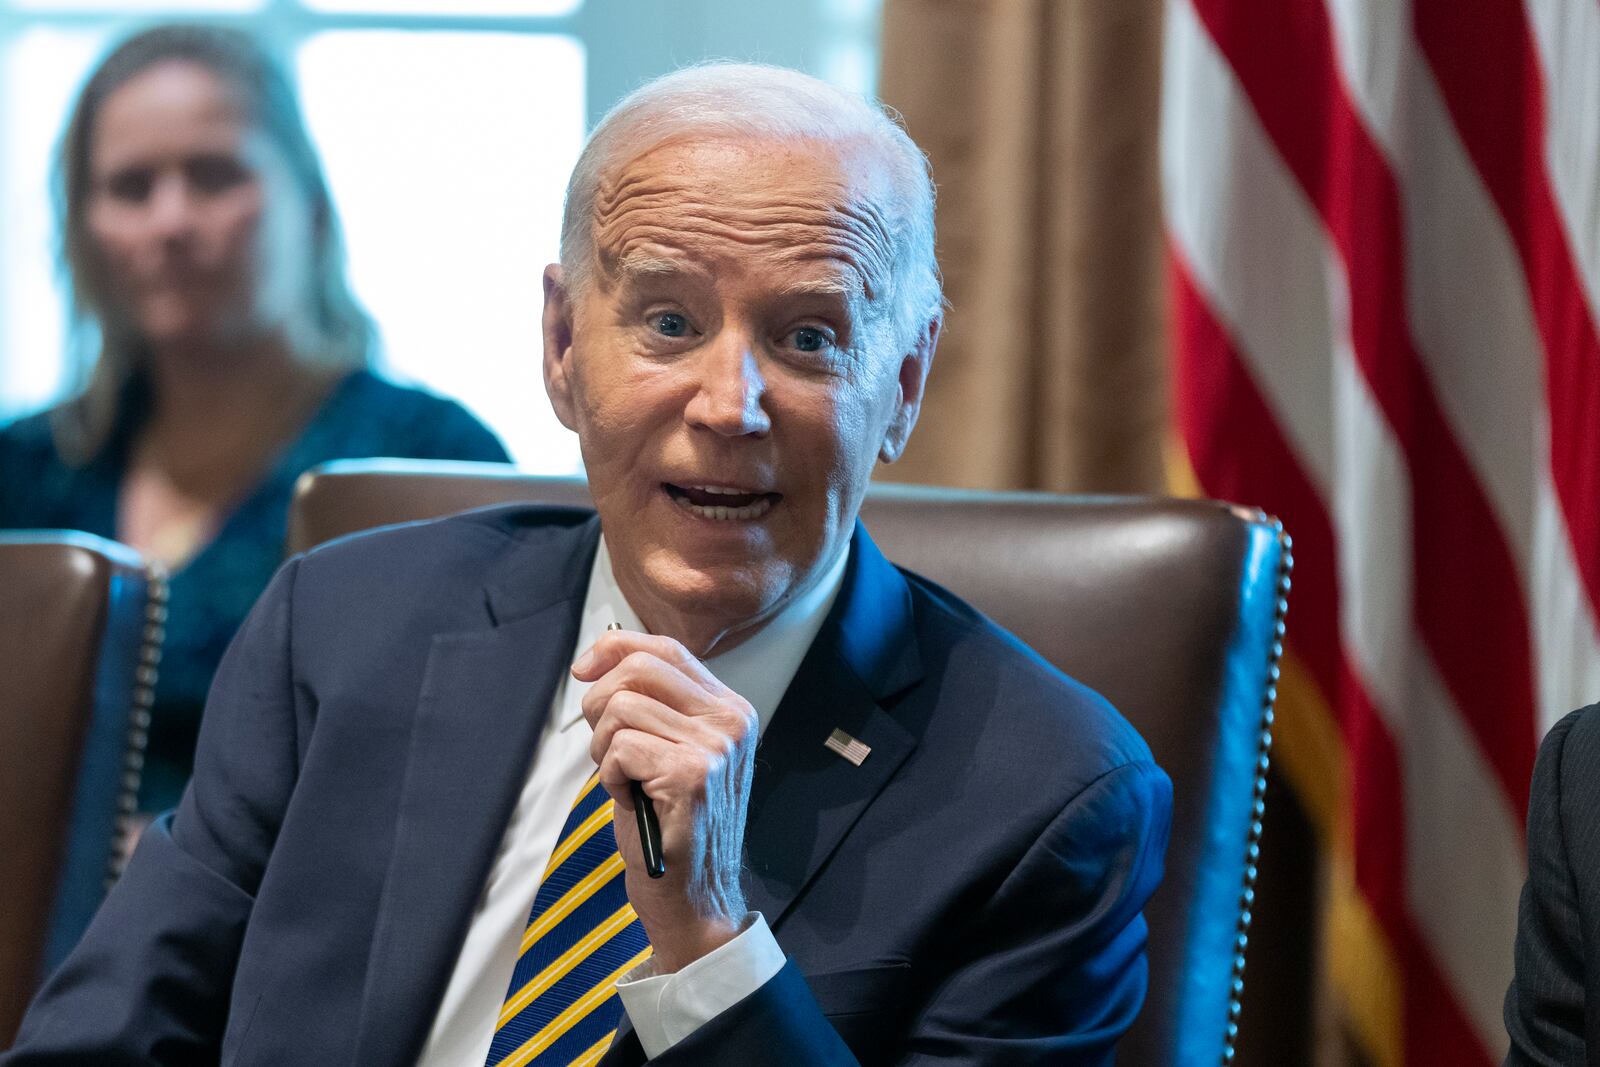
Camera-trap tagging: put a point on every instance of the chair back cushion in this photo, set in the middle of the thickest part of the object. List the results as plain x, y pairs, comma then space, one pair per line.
75, 676
1169, 608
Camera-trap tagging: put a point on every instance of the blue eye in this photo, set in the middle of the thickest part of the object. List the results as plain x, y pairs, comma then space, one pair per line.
669, 324
807, 339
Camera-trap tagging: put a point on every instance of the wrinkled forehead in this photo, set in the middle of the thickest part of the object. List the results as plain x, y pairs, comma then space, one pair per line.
800, 207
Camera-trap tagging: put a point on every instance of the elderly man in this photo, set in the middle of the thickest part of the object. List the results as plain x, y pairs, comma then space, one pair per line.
891, 833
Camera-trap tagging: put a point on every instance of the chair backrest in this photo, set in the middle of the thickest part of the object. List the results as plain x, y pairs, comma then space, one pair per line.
1173, 609
81, 622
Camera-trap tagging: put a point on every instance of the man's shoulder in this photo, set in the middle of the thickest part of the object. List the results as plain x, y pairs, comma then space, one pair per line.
453, 553
1574, 745
1027, 701
479, 531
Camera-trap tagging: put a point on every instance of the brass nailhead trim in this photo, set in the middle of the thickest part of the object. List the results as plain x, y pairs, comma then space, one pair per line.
1247, 893
152, 636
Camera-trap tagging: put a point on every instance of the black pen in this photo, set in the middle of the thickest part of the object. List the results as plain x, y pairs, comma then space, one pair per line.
644, 809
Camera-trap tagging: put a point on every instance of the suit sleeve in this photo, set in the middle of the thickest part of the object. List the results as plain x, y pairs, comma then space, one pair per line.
149, 982
1051, 969
1544, 1005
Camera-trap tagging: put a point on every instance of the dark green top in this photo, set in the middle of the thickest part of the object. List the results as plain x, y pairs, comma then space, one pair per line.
362, 416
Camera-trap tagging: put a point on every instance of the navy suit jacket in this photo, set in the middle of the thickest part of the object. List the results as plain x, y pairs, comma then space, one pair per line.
1553, 1005
970, 894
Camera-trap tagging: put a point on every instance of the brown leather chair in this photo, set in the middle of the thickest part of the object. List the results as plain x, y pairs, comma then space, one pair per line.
81, 623
1173, 609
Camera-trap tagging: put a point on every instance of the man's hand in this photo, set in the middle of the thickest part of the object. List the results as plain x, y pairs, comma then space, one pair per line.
662, 719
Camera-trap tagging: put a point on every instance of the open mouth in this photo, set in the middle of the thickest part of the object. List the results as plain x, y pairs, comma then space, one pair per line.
720, 502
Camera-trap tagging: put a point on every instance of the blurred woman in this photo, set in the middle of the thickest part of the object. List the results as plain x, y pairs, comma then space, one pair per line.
207, 272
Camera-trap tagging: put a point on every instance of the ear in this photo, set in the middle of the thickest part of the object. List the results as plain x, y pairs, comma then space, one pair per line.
557, 324
913, 377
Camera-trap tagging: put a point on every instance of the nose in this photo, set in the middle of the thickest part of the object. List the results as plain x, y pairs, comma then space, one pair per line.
731, 388
172, 208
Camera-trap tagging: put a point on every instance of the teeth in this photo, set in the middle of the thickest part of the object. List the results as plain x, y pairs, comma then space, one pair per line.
718, 490
752, 511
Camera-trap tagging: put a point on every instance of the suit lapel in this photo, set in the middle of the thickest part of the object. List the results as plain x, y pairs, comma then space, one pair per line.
485, 696
805, 798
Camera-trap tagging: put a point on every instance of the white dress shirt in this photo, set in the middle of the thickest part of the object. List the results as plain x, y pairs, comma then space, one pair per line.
663, 1009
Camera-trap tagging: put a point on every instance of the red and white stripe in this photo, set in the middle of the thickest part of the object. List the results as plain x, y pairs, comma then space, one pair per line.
1384, 218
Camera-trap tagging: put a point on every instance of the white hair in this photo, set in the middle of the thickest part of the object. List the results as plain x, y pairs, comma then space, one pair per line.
722, 100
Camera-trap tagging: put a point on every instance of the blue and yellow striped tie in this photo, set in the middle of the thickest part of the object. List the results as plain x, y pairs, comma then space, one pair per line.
562, 1007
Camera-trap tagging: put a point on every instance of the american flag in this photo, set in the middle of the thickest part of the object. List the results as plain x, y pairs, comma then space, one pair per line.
1383, 219
848, 747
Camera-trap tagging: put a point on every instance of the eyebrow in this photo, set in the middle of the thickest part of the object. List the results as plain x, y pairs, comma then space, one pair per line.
645, 265
833, 285
640, 266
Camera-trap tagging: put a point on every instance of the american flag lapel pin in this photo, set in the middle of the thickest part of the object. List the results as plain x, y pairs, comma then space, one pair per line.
848, 747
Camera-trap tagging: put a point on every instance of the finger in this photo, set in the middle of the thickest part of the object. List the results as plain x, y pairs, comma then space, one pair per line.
626, 822
627, 710
614, 646
635, 756
647, 674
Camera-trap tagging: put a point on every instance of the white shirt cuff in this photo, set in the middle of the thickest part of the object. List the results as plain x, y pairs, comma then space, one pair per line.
667, 1008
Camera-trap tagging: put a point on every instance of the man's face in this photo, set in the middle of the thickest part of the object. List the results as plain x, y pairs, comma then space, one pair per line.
732, 373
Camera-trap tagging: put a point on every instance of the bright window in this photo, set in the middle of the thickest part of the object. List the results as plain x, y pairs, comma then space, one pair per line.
455, 8
43, 67
449, 222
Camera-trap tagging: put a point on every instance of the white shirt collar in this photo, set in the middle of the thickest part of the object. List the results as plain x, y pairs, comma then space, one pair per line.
760, 669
